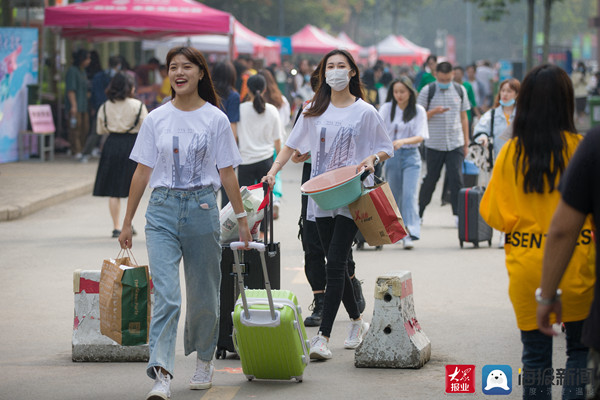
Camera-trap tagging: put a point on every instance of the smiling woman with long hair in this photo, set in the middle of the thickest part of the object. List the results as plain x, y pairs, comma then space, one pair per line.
339, 129
185, 150
406, 122
520, 201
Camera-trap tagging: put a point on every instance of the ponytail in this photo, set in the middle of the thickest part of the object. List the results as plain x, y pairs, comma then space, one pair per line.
256, 86
258, 102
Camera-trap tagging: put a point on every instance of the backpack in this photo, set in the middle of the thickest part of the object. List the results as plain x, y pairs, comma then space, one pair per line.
432, 86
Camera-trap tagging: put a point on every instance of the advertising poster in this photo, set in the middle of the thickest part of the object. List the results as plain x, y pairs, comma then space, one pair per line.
18, 68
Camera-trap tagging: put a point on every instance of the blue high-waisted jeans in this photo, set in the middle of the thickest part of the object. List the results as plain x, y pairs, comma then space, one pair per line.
183, 224
403, 173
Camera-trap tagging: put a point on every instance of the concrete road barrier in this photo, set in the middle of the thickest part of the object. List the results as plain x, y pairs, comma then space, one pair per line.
88, 343
395, 338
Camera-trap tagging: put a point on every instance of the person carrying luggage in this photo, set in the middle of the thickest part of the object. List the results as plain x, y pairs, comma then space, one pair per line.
520, 201
339, 129
185, 150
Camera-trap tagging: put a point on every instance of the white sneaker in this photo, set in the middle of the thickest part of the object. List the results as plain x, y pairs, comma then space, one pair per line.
319, 349
78, 156
501, 240
162, 386
202, 378
408, 243
456, 221
356, 332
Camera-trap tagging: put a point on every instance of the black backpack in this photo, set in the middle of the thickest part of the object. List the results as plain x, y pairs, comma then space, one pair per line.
432, 86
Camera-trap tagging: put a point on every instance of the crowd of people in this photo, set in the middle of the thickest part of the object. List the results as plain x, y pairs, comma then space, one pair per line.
187, 129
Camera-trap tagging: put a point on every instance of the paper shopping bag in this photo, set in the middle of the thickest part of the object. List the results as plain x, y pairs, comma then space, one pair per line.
377, 216
125, 301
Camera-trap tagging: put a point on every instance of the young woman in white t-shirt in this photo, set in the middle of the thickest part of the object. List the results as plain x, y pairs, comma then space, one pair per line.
185, 150
339, 129
259, 133
406, 122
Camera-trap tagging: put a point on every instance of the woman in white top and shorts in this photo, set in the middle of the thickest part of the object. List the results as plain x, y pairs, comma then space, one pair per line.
406, 122
338, 128
185, 150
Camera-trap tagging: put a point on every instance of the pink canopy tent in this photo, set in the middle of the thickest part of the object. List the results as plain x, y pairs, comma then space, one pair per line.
313, 40
262, 47
99, 20
398, 50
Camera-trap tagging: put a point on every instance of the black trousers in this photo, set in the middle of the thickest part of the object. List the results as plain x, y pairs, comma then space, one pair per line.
314, 256
337, 235
453, 161
250, 174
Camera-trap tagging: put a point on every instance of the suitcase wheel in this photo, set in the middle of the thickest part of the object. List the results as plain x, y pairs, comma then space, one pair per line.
298, 379
490, 242
476, 244
360, 245
378, 247
461, 244
250, 377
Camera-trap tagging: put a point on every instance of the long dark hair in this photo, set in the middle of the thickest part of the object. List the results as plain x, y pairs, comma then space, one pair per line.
223, 76
256, 85
273, 94
545, 108
411, 108
206, 89
119, 87
322, 97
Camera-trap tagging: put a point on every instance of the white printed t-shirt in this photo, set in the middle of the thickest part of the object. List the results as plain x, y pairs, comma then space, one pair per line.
337, 138
258, 132
398, 129
185, 149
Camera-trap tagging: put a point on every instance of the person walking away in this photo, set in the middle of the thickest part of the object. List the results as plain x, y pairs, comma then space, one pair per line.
406, 122
100, 83
76, 87
581, 82
185, 150
448, 141
520, 200
120, 117
580, 198
339, 129
259, 133
224, 77
274, 96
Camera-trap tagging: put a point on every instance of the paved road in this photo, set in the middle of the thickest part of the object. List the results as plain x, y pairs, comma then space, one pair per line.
460, 298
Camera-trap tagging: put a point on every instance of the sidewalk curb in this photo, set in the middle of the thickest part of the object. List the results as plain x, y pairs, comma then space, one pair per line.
12, 212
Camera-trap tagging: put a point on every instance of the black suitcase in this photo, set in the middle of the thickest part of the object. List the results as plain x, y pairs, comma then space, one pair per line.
253, 279
471, 226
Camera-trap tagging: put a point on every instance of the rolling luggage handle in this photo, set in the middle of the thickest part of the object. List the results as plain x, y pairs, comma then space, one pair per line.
235, 246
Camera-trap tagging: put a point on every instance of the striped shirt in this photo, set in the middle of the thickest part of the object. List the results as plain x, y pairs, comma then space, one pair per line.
445, 129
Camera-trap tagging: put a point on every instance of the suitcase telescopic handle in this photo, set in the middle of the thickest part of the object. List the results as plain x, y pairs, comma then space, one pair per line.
235, 246
253, 245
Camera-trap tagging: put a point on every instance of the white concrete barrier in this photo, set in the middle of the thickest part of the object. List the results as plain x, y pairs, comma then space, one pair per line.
395, 338
88, 343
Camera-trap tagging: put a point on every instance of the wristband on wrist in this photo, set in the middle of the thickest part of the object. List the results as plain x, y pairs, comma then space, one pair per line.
241, 215
547, 302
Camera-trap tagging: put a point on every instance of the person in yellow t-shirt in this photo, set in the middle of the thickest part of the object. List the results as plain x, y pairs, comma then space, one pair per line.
164, 90
520, 201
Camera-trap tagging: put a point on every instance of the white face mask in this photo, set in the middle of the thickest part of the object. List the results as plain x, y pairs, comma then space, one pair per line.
337, 79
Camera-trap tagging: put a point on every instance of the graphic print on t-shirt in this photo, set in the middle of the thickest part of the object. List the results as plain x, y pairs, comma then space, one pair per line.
339, 152
190, 173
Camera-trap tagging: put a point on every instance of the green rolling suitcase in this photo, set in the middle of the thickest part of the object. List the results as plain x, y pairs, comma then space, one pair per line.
268, 329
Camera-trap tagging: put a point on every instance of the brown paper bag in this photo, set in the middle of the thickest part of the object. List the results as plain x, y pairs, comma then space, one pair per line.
377, 216
125, 301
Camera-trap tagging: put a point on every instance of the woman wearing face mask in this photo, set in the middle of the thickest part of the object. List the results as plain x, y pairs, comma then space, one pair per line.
339, 129
406, 122
502, 114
